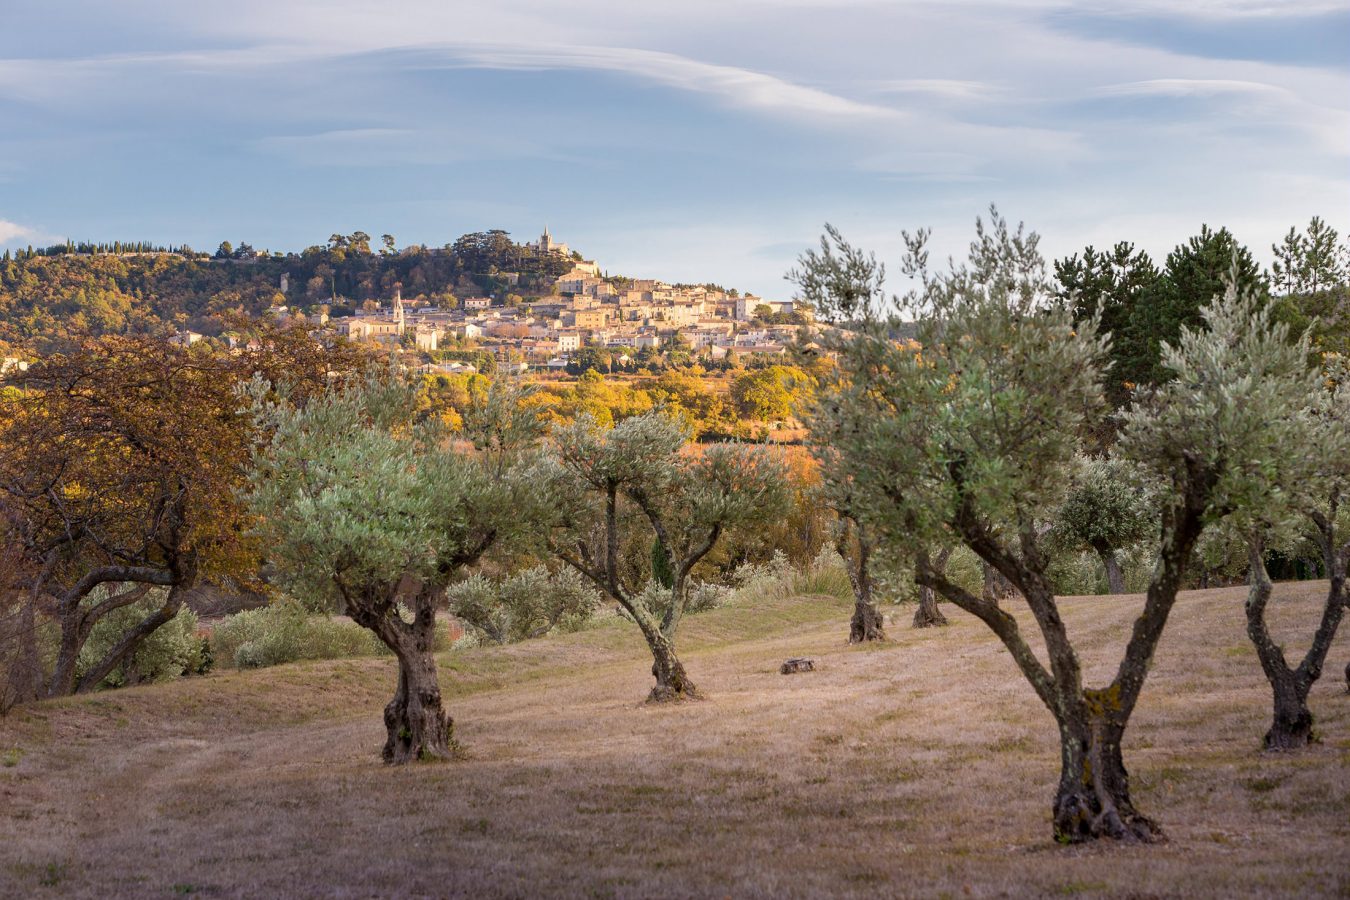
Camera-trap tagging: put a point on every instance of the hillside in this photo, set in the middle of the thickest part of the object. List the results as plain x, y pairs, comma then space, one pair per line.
923, 767
46, 296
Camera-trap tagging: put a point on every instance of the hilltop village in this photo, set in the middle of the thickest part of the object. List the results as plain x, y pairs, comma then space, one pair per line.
632, 320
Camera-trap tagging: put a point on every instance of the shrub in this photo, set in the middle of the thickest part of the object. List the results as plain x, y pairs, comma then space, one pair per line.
763, 581
528, 604
776, 579
706, 595
286, 632
825, 574
169, 651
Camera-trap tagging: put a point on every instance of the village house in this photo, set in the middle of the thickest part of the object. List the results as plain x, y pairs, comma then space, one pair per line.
590, 318
185, 338
426, 338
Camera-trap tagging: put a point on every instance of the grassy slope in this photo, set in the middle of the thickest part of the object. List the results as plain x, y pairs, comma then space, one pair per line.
923, 767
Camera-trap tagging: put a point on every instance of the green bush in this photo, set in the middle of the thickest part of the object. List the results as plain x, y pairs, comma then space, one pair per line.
530, 603
169, 651
286, 632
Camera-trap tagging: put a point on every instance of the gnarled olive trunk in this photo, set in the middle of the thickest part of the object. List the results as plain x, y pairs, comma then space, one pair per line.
1291, 727
672, 683
997, 587
867, 622
928, 615
1093, 797
416, 724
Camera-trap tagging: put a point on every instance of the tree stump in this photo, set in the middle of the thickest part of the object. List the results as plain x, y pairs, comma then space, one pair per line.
797, 664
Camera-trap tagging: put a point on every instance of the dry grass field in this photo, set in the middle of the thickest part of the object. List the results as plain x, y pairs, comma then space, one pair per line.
924, 767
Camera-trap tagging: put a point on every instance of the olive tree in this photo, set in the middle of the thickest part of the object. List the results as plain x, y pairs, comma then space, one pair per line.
366, 514
688, 497
855, 546
971, 436
1105, 511
852, 539
1302, 491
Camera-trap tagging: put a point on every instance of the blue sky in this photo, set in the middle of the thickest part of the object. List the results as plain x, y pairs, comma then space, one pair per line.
697, 140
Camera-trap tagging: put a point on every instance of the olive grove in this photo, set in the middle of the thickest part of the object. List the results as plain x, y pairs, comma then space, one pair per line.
971, 434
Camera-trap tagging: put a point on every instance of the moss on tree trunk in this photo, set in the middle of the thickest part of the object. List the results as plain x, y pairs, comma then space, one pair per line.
1093, 797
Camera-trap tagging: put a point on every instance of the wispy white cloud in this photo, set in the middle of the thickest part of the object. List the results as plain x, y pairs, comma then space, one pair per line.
941, 88
10, 231
1191, 87
1244, 101
50, 79
735, 85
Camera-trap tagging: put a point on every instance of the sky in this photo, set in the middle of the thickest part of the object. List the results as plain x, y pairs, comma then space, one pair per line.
702, 140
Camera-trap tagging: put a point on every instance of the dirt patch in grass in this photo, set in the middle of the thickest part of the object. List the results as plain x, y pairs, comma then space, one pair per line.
921, 768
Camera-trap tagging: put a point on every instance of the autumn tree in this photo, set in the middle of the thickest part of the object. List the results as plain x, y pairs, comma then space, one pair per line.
688, 499
972, 435
771, 393
118, 470
366, 513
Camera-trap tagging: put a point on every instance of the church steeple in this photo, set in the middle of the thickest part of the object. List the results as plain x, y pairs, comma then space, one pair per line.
398, 309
